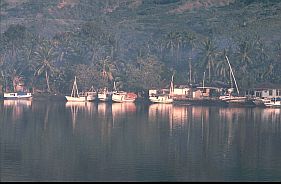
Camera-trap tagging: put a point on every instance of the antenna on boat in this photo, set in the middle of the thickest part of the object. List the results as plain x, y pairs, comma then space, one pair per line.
232, 74
114, 86
92, 89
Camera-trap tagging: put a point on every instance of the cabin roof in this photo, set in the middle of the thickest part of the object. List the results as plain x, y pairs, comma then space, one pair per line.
181, 86
208, 88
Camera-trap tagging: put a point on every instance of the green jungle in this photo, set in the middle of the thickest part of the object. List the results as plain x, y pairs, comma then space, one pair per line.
139, 44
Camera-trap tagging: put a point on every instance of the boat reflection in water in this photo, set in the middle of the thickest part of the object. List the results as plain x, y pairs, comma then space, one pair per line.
160, 142
18, 107
17, 103
208, 124
121, 108
85, 109
179, 116
103, 109
271, 114
234, 115
122, 111
158, 112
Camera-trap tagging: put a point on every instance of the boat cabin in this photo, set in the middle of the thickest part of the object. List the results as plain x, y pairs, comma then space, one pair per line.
182, 92
265, 91
155, 92
201, 92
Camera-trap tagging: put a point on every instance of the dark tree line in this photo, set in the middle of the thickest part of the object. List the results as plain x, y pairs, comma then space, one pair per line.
94, 54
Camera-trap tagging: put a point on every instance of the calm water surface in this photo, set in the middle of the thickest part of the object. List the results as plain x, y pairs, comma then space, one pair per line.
58, 141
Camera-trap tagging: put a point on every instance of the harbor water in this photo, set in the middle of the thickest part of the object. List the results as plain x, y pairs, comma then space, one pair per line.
63, 141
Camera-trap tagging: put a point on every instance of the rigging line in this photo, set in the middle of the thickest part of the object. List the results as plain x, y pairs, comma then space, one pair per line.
232, 74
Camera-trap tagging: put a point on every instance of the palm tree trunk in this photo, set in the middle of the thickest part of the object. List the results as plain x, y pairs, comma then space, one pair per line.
47, 80
112, 52
190, 65
94, 55
190, 75
178, 50
161, 51
14, 79
61, 56
209, 70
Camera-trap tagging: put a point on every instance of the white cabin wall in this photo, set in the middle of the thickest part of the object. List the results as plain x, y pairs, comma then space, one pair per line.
265, 93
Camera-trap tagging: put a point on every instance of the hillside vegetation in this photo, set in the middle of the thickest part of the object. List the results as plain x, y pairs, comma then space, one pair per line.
138, 43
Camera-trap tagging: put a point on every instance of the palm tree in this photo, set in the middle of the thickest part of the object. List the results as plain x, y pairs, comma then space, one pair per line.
111, 41
244, 55
190, 38
14, 37
64, 44
272, 66
44, 58
178, 41
244, 58
160, 45
108, 69
262, 58
2, 76
208, 51
170, 42
222, 69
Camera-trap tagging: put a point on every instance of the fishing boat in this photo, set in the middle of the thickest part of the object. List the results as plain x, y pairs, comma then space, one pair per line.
257, 101
75, 96
122, 96
163, 98
104, 95
17, 96
231, 99
272, 102
90, 95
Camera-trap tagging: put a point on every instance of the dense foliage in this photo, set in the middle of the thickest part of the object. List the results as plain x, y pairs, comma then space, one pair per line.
139, 44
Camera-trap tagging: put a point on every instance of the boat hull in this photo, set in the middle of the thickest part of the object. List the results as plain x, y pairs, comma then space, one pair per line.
257, 101
274, 104
75, 99
161, 99
90, 96
238, 99
122, 98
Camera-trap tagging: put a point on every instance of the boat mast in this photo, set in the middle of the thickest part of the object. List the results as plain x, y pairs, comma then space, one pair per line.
232, 74
74, 89
203, 84
172, 86
230, 77
204, 81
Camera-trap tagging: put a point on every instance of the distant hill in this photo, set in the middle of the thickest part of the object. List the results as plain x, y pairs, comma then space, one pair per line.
141, 26
207, 17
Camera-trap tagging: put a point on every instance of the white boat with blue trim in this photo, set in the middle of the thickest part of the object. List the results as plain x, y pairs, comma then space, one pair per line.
17, 95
